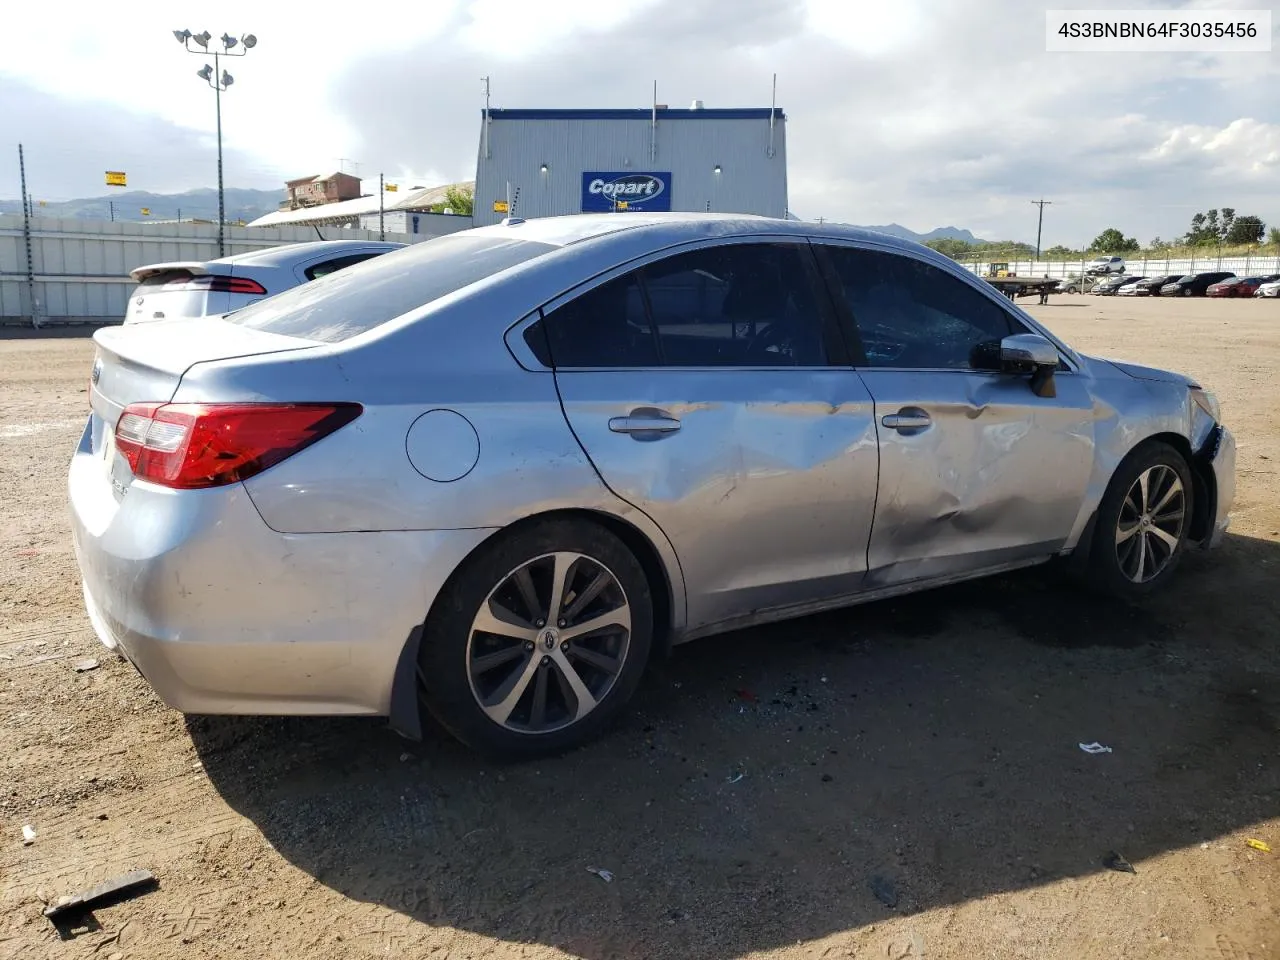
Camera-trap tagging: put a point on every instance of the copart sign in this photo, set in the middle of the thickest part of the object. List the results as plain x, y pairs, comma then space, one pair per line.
623, 191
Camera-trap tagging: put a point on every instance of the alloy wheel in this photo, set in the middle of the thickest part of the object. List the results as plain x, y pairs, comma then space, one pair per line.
1149, 528
548, 643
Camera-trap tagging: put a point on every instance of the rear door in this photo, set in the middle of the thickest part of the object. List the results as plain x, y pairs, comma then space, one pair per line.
711, 389
976, 471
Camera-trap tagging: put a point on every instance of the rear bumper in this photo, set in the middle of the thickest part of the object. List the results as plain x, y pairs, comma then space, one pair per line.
221, 614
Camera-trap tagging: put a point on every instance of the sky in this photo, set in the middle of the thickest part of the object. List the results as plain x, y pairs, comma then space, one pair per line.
920, 112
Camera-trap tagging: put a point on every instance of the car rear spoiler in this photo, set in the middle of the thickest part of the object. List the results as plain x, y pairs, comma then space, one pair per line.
193, 267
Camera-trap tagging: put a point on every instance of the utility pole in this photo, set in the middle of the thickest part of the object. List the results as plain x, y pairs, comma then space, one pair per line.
111, 204
220, 80
382, 196
1041, 203
26, 237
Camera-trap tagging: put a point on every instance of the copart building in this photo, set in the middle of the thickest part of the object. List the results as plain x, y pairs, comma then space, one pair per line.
545, 163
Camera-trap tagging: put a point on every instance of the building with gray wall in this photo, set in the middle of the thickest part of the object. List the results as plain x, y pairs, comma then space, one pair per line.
560, 162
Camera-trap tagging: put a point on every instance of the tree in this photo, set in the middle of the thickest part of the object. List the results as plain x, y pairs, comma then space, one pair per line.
1112, 240
457, 200
1273, 237
1246, 230
1059, 252
955, 249
1158, 244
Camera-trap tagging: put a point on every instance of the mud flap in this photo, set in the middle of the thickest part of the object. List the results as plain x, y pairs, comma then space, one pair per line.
406, 714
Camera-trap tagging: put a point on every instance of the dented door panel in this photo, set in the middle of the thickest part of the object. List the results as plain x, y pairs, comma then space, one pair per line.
765, 488
997, 475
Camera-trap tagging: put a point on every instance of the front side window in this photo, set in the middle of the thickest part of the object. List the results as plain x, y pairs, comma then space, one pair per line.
911, 314
739, 305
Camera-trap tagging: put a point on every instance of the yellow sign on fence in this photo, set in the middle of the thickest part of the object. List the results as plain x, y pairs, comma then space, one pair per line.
499, 206
116, 178
392, 187
146, 211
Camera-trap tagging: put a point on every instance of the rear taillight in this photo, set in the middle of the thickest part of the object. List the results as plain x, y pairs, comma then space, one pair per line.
217, 283
189, 446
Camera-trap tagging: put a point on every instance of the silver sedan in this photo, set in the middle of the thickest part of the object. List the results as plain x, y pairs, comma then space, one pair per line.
493, 474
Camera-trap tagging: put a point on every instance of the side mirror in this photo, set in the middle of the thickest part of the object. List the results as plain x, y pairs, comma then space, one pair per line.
1030, 353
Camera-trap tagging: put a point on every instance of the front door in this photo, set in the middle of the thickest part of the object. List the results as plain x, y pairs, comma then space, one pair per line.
976, 471
711, 390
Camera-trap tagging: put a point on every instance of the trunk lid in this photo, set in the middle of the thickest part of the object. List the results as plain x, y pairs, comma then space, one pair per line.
163, 291
145, 364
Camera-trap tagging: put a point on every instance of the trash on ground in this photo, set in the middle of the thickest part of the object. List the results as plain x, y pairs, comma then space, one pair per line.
603, 874
28, 835
127, 885
736, 777
1113, 861
1094, 747
1258, 845
747, 695
86, 665
406, 757
884, 890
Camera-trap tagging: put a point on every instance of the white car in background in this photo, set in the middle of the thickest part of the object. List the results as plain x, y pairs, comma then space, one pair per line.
1105, 265
186, 289
1271, 289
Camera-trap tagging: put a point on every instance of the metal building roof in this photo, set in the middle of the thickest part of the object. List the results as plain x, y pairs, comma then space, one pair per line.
664, 113
351, 210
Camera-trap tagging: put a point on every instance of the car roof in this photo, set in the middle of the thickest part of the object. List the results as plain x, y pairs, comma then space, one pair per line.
673, 228
291, 252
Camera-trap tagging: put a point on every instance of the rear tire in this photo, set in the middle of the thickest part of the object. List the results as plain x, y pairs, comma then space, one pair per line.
1143, 522
510, 662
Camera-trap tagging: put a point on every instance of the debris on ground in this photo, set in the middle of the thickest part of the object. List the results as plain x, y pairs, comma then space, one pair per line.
28, 835
1094, 747
127, 885
84, 666
1113, 861
1258, 845
406, 757
736, 777
603, 874
827, 778
884, 890
747, 695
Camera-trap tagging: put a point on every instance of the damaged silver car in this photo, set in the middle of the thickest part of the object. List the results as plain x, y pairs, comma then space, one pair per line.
494, 473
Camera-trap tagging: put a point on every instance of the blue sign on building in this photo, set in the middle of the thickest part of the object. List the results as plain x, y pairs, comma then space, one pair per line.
621, 190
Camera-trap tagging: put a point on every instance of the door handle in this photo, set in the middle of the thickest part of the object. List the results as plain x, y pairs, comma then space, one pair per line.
644, 424
907, 420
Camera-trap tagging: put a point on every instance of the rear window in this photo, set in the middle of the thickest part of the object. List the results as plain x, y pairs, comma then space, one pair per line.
367, 295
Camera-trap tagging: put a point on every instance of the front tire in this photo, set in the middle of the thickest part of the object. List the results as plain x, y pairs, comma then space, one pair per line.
538, 641
1143, 522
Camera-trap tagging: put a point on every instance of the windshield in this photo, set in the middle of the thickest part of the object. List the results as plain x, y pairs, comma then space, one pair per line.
367, 295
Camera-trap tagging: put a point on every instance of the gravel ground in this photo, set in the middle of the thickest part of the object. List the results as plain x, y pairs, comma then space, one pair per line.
898, 780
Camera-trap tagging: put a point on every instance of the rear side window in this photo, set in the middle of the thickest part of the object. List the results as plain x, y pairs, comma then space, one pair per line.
358, 299
318, 270
738, 305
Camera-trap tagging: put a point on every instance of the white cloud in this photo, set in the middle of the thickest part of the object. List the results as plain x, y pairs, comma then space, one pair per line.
921, 113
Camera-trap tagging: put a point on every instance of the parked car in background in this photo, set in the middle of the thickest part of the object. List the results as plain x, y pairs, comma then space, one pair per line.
1130, 288
1238, 286
1271, 289
188, 288
492, 473
1105, 265
1108, 287
1077, 284
1151, 286
1194, 285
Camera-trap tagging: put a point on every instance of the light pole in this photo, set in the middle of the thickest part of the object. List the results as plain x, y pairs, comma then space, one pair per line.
220, 80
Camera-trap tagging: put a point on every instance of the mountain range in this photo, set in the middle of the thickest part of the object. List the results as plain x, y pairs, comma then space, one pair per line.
243, 204
202, 204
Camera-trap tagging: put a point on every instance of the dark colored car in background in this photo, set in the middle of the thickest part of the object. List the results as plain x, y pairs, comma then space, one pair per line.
1238, 286
1107, 288
1151, 286
1194, 285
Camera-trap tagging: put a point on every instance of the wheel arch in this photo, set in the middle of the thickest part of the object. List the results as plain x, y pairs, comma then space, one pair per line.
1203, 493
666, 587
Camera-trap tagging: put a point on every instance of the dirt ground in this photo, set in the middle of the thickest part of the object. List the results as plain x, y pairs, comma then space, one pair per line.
765, 786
